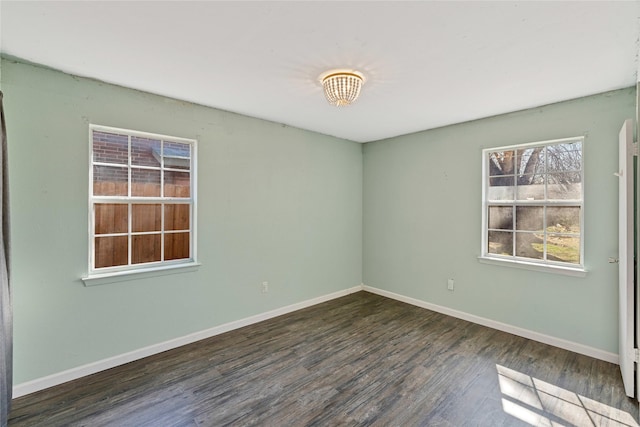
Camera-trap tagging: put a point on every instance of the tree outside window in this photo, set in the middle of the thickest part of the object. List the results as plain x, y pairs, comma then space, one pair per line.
533, 202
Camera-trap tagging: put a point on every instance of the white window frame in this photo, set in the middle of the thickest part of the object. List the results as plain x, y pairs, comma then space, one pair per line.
573, 269
129, 271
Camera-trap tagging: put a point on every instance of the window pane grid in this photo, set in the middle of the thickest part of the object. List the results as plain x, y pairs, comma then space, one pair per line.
540, 247
142, 200
534, 202
129, 192
115, 165
141, 245
111, 234
162, 170
130, 235
153, 168
162, 228
145, 233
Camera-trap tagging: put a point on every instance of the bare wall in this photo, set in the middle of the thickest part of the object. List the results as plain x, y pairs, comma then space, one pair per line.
422, 221
275, 204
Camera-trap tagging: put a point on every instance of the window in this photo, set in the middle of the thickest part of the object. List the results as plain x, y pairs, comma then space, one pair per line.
533, 203
141, 202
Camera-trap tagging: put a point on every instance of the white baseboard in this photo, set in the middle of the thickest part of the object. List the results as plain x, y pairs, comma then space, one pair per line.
101, 365
121, 359
532, 335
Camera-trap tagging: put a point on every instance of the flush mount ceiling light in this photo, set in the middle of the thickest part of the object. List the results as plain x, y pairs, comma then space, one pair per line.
341, 87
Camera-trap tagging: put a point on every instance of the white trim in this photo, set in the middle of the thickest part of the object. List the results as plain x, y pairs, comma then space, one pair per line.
142, 273
545, 202
547, 268
129, 200
535, 143
141, 134
526, 333
101, 365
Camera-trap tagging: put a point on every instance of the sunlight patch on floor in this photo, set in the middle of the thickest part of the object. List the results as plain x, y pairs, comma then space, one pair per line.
539, 403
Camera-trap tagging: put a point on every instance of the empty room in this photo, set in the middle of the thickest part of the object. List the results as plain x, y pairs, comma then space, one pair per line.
312, 213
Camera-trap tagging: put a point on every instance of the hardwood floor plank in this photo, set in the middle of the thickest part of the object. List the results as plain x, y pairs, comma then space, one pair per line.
358, 360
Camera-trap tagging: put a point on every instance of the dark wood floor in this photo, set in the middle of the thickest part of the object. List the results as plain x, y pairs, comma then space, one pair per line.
358, 360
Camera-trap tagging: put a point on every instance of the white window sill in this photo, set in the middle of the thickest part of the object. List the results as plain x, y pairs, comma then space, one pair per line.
122, 276
557, 269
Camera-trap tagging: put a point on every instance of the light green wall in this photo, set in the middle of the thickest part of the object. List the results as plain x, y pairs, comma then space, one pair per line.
422, 221
285, 205
274, 203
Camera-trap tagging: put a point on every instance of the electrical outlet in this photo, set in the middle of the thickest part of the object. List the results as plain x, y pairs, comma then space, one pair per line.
265, 287
450, 284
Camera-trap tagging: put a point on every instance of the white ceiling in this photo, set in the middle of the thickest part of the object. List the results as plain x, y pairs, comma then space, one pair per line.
427, 64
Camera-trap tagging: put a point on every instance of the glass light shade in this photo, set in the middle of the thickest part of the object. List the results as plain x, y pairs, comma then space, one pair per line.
342, 87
